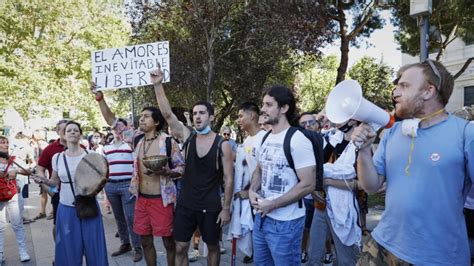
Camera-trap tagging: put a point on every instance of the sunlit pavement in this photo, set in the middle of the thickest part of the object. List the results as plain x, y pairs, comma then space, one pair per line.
41, 246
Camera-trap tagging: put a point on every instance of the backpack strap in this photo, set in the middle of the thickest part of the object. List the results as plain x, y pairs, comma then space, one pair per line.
168, 150
137, 139
287, 150
220, 140
186, 143
265, 136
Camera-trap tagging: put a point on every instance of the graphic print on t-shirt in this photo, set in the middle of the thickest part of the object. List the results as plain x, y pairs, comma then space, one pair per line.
273, 162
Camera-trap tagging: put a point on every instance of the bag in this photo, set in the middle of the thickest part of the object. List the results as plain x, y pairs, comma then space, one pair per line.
7, 187
86, 207
317, 142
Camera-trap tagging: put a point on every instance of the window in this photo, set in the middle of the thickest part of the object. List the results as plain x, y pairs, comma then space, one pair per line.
469, 96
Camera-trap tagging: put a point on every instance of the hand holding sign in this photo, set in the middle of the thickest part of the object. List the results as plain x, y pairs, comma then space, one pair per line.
98, 94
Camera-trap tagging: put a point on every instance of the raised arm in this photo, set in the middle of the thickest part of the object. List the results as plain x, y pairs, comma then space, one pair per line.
178, 130
108, 115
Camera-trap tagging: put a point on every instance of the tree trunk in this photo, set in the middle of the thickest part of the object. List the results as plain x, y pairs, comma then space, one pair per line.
343, 63
210, 78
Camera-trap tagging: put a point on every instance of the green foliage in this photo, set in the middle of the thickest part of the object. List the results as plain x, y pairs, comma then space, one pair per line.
228, 51
315, 81
375, 80
449, 20
45, 51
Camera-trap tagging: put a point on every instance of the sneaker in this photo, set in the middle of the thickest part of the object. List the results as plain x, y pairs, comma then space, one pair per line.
50, 216
138, 255
248, 259
193, 255
304, 257
124, 248
328, 258
221, 248
24, 257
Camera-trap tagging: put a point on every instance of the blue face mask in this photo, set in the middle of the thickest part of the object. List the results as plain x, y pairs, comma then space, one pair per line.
204, 131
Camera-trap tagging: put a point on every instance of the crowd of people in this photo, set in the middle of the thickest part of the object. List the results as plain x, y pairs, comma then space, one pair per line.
294, 191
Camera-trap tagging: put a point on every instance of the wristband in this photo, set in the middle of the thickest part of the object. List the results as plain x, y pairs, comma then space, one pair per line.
99, 96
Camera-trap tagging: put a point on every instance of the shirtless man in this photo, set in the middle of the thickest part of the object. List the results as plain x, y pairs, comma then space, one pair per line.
208, 164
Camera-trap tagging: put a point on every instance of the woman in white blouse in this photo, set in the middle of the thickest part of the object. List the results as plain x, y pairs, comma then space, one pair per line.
75, 237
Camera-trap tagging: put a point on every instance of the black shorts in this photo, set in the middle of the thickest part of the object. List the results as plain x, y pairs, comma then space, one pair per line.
187, 220
469, 216
55, 203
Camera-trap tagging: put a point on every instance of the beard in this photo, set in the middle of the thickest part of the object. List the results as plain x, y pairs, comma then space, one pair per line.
410, 108
271, 121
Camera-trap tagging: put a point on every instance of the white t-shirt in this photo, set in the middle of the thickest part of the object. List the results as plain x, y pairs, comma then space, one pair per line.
66, 197
251, 148
277, 176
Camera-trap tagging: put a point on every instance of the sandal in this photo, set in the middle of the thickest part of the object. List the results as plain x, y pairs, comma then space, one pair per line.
40, 216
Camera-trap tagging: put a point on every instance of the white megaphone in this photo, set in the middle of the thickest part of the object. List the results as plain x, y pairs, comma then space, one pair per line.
345, 102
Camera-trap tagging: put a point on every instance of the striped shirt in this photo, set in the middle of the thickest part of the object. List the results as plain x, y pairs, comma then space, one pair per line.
120, 159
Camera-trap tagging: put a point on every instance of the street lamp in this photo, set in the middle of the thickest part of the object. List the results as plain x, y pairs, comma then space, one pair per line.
421, 10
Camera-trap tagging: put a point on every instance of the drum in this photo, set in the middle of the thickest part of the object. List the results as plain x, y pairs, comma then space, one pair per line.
92, 173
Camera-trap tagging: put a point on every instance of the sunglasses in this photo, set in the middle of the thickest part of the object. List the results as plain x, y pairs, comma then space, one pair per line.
308, 123
435, 72
226, 134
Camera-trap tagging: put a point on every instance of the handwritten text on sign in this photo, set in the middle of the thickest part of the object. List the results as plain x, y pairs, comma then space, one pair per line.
129, 66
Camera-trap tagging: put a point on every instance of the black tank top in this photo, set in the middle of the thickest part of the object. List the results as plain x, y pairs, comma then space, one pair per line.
201, 180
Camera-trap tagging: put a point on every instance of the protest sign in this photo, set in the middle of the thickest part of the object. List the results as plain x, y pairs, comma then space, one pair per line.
129, 66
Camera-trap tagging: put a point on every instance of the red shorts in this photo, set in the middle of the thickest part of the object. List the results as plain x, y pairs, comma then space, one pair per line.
152, 218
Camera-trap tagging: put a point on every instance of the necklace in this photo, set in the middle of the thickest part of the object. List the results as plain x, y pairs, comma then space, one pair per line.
150, 140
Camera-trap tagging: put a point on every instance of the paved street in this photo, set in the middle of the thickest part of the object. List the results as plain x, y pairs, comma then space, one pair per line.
41, 246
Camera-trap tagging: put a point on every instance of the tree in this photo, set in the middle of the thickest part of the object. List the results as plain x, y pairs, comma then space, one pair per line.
228, 51
316, 80
45, 53
365, 20
449, 20
375, 80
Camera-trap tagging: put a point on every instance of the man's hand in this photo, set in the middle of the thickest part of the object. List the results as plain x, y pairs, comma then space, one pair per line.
156, 76
254, 197
186, 115
243, 194
38, 179
98, 94
265, 206
363, 136
224, 217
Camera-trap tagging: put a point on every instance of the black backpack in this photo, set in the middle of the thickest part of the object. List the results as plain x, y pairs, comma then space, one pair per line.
317, 141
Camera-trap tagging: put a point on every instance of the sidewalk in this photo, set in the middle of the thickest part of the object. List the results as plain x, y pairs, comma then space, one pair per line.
41, 246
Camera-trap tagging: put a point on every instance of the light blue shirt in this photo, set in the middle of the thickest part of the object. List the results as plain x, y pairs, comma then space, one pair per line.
423, 221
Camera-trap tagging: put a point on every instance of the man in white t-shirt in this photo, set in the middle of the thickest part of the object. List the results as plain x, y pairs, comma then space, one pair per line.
276, 189
248, 121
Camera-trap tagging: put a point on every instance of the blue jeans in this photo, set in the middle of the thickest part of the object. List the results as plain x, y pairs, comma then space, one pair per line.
277, 242
123, 207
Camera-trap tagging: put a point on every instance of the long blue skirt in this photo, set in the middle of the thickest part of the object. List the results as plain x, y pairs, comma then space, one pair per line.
76, 238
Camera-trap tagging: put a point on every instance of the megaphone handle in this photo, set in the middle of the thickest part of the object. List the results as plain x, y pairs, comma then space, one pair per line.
375, 127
